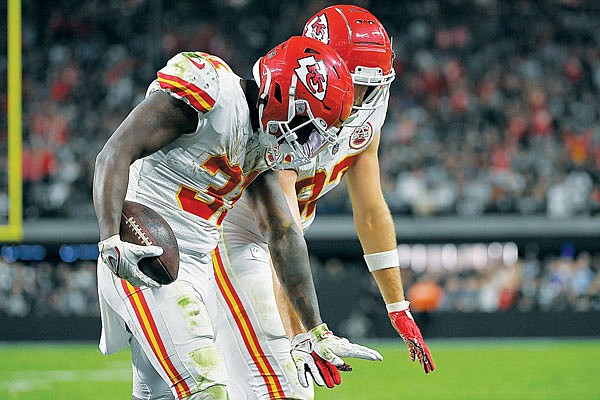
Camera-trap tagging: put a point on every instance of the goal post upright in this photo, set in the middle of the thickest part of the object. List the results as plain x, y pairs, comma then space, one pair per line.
13, 231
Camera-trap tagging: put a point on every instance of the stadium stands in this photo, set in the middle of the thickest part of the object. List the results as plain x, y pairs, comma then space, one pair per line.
494, 111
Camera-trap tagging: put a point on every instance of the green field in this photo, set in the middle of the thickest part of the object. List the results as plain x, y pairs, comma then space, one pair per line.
490, 370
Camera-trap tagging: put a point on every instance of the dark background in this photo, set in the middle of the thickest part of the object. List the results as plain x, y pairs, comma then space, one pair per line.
492, 139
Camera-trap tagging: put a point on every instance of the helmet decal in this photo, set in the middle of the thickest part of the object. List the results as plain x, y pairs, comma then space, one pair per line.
306, 91
318, 28
362, 42
313, 74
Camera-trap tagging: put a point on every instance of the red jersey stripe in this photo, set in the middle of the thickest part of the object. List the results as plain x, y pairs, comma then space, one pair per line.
245, 327
197, 97
144, 315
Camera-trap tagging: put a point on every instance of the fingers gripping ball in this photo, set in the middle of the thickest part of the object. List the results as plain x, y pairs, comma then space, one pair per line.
142, 225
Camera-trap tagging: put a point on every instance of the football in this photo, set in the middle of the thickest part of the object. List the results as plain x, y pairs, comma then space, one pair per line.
142, 225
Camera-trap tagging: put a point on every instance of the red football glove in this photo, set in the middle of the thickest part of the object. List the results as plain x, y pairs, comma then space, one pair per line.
405, 325
328, 371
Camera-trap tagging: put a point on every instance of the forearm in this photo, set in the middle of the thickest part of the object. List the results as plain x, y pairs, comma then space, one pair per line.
377, 235
375, 229
287, 246
290, 260
390, 286
289, 317
111, 176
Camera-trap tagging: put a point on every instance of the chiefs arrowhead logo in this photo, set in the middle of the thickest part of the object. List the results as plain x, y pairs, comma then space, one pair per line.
318, 28
313, 74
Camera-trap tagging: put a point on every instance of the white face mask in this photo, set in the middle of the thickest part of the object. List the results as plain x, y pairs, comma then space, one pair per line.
286, 151
291, 154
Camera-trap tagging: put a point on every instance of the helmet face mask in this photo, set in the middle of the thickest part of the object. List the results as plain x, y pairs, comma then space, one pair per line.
363, 44
305, 94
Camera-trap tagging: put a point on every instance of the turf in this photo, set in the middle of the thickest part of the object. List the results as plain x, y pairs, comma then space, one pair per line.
467, 369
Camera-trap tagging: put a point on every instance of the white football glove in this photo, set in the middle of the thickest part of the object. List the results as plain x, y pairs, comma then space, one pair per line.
331, 348
307, 362
122, 259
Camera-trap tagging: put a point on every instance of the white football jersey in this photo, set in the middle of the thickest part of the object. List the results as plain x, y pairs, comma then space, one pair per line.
250, 334
197, 178
326, 171
321, 175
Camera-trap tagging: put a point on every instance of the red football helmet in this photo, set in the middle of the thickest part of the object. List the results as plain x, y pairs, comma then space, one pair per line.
305, 94
364, 45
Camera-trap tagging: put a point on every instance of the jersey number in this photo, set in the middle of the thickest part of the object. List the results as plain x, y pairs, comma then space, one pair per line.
226, 178
316, 183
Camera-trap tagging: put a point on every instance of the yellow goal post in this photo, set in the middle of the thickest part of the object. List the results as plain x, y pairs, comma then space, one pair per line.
13, 230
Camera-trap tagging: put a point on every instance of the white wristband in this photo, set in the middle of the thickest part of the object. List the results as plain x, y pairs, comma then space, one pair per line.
386, 259
399, 306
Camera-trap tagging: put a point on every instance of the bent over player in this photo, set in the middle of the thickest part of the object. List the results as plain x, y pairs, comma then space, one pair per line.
363, 43
247, 309
188, 151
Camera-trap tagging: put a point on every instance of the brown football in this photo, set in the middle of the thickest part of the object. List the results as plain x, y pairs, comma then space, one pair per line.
142, 225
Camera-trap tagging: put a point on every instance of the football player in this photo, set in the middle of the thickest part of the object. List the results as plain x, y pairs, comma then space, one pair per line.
189, 150
247, 307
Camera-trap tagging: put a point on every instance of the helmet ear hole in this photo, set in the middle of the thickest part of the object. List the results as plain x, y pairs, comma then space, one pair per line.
277, 93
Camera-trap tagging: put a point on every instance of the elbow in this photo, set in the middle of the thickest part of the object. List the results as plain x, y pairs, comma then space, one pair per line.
101, 158
112, 154
109, 152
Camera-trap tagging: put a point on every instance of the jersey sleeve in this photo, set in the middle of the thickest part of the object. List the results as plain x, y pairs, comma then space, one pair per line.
189, 77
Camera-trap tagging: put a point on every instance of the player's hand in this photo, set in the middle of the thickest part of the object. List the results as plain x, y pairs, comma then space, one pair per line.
122, 259
331, 348
308, 362
405, 325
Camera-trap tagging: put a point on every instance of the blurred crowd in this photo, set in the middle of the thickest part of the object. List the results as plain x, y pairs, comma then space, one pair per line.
557, 283
48, 288
494, 109
565, 282
552, 284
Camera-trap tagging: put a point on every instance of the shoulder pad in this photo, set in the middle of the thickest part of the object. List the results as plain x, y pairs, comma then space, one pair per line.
190, 77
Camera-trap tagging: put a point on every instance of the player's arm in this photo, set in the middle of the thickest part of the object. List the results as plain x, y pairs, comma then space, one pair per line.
291, 322
290, 260
373, 220
286, 245
307, 361
156, 121
376, 232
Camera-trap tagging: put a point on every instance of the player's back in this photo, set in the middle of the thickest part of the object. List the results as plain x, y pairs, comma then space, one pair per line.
197, 178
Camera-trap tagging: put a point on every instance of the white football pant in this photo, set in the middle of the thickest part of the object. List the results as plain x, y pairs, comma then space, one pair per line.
171, 334
248, 330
